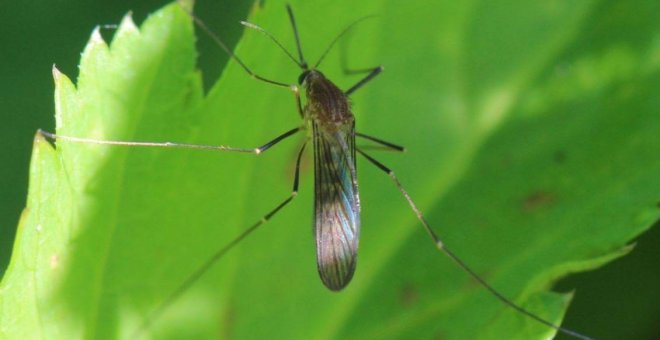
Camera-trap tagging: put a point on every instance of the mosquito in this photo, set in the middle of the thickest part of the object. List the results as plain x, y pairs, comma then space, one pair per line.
330, 124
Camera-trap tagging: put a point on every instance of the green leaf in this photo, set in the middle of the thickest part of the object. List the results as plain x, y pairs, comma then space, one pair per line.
532, 150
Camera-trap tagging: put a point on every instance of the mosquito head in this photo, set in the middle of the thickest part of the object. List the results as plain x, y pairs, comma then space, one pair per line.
303, 76
311, 77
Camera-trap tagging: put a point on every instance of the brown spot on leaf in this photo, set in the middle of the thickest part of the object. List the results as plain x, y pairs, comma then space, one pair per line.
408, 296
227, 323
559, 156
439, 335
537, 200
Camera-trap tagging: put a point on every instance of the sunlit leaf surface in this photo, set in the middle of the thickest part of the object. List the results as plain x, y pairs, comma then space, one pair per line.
532, 149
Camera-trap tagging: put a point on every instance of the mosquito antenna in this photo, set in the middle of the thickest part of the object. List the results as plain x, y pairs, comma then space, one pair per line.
341, 34
303, 63
231, 54
441, 247
266, 33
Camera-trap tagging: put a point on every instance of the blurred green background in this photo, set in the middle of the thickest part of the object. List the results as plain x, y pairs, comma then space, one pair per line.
613, 302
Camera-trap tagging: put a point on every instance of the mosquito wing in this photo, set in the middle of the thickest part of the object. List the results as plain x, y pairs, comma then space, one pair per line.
337, 205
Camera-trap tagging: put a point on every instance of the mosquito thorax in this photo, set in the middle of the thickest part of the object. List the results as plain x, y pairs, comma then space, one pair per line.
325, 101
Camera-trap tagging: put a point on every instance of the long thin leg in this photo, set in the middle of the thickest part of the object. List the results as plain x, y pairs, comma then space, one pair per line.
231, 54
199, 272
373, 71
302, 63
343, 62
296, 92
274, 40
257, 151
109, 27
386, 144
353, 71
441, 246
372, 74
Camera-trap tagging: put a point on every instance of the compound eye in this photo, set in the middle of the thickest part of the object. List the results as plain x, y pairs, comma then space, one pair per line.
302, 77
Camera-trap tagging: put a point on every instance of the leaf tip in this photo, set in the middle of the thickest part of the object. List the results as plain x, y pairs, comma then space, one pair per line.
127, 24
96, 37
37, 142
56, 73
625, 250
186, 5
38, 137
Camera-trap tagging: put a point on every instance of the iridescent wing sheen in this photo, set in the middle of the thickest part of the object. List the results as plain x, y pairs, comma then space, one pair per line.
337, 205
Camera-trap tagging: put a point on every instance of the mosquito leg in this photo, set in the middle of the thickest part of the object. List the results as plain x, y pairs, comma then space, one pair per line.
110, 27
277, 140
201, 270
351, 71
303, 63
301, 60
231, 54
174, 145
296, 92
441, 246
343, 61
372, 74
386, 144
